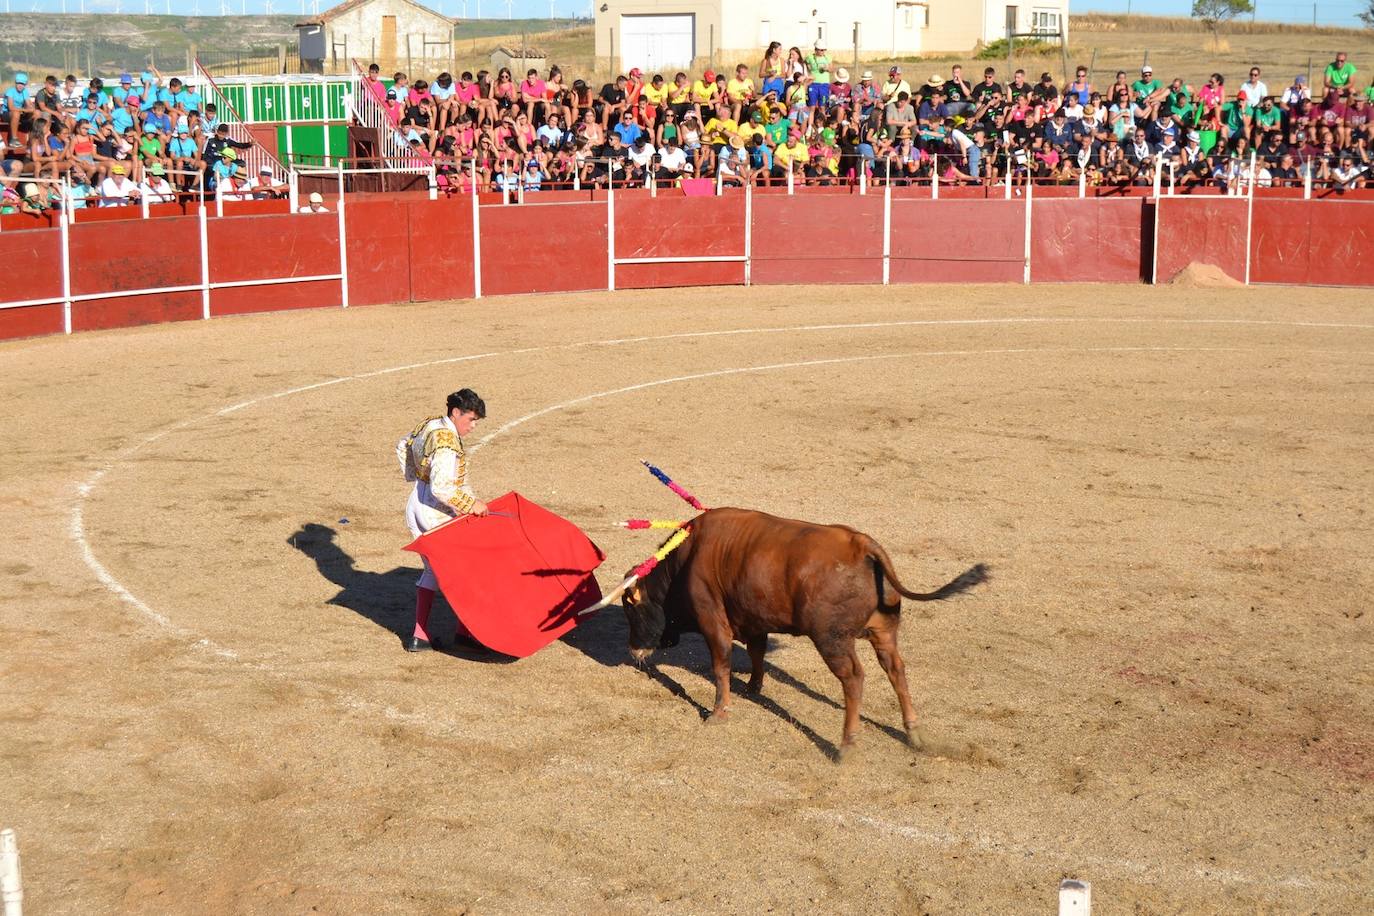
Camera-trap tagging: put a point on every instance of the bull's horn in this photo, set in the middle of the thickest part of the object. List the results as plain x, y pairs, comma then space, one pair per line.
610, 599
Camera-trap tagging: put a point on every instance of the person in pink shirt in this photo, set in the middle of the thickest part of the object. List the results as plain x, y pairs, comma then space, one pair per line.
504, 91
419, 92
374, 82
532, 96
1214, 93
393, 107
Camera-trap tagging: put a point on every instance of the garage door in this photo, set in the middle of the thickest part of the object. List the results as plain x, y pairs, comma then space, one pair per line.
657, 43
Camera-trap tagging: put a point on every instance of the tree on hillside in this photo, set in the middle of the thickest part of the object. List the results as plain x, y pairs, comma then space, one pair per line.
1367, 17
1214, 12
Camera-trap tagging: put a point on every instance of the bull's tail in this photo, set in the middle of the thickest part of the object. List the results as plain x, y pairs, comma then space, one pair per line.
882, 568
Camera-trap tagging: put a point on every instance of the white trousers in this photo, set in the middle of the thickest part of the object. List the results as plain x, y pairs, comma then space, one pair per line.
423, 512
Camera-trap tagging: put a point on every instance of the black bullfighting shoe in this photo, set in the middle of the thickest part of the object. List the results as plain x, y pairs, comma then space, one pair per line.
416, 644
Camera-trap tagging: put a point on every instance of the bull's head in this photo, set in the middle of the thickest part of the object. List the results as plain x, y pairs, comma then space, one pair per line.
643, 602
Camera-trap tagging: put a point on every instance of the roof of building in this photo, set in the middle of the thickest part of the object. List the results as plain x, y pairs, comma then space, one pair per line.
350, 5
528, 53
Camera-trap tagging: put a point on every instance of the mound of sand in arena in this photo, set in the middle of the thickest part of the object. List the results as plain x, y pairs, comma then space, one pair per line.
1203, 276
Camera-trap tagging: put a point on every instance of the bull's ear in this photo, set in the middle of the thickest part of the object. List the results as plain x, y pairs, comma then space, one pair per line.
632, 595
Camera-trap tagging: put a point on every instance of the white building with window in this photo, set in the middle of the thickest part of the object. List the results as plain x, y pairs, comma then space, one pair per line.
658, 35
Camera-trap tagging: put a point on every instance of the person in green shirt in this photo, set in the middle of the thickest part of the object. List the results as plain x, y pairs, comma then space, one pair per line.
818, 63
1148, 92
1236, 117
1339, 73
1267, 117
777, 127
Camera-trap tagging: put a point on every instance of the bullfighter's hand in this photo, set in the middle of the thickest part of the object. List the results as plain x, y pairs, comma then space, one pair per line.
478, 508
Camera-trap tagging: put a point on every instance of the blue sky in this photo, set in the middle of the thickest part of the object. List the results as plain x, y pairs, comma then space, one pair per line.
1332, 12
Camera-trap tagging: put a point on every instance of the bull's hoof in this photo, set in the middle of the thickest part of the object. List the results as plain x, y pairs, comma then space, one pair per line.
914, 739
719, 716
753, 688
845, 751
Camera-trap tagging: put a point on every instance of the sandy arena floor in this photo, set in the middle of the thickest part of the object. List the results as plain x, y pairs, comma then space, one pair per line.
1167, 690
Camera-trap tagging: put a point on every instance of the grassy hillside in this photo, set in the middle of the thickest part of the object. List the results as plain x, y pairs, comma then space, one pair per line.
56, 43
51, 42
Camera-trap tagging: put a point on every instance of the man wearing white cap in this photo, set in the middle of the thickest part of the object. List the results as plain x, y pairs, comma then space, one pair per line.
1148, 92
818, 91
265, 186
316, 204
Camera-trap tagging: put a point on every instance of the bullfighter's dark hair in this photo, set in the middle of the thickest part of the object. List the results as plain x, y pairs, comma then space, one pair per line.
466, 399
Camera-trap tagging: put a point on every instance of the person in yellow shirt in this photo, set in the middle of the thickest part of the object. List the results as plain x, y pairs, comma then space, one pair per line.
752, 127
657, 91
702, 91
740, 91
721, 128
680, 95
792, 157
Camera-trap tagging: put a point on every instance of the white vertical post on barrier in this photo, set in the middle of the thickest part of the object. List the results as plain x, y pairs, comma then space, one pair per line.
293, 189
520, 186
1082, 182
577, 175
204, 261
935, 177
1159, 175
1075, 898
1172, 178
476, 238
1250, 211
748, 232
1307, 181
887, 225
219, 198
433, 182
505, 190
11, 885
1026, 276
863, 178
143, 204
66, 241
343, 243
720, 180
610, 236
789, 179
1008, 185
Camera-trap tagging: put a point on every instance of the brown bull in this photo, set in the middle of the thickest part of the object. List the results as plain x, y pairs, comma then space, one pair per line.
743, 575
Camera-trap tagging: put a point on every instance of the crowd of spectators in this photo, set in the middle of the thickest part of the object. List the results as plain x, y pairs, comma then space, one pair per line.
793, 117
801, 115
134, 142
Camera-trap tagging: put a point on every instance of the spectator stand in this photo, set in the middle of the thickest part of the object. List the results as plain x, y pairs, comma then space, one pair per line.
212, 263
255, 157
367, 108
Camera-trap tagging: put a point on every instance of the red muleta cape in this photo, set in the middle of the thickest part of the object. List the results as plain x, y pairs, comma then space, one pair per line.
517, 583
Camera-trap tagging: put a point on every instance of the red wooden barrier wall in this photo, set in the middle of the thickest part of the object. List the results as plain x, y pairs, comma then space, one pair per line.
818, 238
1097, 241
1205, 230
380, 251
274, 246
403, 248
32, 264
675, 226
113, 256
958, 241
441, 249
543, 248
1292, 242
